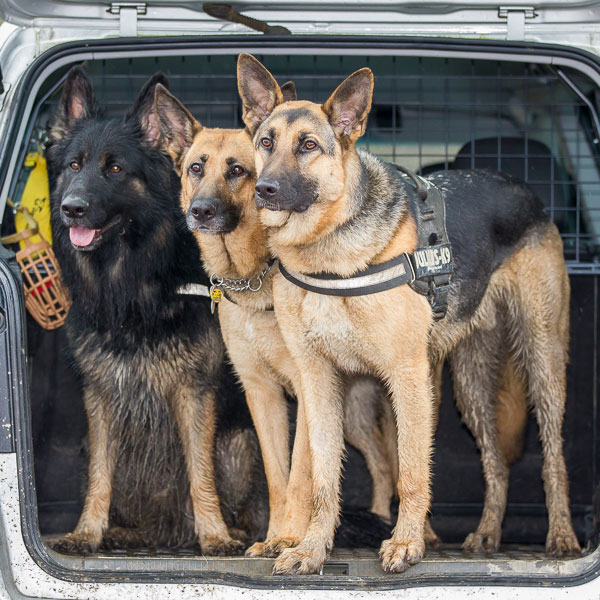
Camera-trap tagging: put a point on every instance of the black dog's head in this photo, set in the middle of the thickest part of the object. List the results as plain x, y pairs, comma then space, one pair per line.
104, 170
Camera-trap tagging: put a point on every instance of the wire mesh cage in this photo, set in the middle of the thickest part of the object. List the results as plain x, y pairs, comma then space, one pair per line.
524, 118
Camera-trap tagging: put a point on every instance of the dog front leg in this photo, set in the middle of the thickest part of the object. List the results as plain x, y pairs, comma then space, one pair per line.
268, 408
195, 413
93, 522
413, 405
298, 500
298, 503
321, 396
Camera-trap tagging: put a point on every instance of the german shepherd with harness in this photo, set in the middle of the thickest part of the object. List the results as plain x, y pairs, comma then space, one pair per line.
150, 358
218, 177
336, 217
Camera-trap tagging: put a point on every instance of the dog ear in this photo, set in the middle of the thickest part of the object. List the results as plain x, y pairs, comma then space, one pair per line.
258, 90
177, 125
76, 103
143, 112
288, 90
349, 106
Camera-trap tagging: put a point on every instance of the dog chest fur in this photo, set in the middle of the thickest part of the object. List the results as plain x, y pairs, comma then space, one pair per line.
335, 327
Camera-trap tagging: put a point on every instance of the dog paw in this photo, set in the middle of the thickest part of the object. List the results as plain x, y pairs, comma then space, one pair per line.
217, 546
396, 557
559, 545
272, 548
432, 540
257, 550
121, 538
238, 534
481, 543
77, 543
299, 561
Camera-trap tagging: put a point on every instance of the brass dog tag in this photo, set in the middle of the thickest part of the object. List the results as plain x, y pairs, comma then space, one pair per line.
216, 295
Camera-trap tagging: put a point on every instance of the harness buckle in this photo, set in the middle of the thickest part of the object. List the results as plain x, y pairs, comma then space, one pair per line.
438, 296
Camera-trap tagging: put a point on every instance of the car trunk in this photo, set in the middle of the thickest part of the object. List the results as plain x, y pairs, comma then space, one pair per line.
526, 109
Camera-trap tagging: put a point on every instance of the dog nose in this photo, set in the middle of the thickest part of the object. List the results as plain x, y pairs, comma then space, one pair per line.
74, 207
266, 188
202, 211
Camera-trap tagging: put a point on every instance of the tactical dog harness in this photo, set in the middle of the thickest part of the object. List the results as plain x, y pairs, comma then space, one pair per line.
428, 270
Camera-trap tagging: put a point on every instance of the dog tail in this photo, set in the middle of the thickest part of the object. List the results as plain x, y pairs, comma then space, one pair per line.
241, 483
511, 411
361, 529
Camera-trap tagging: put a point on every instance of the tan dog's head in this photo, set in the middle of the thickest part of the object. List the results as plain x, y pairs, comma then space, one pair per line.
301, 147
216, 165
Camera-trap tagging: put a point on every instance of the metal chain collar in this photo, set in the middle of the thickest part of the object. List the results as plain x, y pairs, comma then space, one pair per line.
241, 285
217, 284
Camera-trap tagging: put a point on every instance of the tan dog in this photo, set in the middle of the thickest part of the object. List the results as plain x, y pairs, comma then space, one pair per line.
218, 179
333, 211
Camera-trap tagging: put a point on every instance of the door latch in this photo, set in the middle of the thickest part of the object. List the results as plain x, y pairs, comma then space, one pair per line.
128, 16
515, 20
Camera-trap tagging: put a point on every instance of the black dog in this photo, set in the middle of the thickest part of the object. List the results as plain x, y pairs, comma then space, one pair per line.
150, 358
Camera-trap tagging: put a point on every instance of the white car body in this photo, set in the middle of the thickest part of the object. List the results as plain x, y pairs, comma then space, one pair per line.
33, 28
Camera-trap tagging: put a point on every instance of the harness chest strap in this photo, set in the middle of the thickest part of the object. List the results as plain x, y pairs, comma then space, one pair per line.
376, 278
428, 270
433, 257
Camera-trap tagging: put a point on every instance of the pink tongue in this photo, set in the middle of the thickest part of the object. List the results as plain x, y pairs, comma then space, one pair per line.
82, 236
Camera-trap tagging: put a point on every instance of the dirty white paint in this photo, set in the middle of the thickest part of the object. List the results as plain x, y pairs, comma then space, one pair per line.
22, 577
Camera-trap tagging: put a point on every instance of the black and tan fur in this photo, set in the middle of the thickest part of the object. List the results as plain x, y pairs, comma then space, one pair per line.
218, 178
332, 208
149, 358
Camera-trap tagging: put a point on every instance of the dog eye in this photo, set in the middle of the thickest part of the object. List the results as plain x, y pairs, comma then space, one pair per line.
309, 145
75, 165
237, 170
115, 169
196, 167
266, 142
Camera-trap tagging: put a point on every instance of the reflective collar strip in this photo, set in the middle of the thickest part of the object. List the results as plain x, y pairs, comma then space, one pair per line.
194, 289
376, 278
197, 289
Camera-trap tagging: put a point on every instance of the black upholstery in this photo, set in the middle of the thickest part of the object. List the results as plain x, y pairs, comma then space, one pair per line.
530, 160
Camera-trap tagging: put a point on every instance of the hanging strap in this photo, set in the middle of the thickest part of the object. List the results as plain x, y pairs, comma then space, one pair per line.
32, 226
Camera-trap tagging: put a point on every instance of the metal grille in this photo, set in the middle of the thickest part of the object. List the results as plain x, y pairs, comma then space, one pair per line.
428, 114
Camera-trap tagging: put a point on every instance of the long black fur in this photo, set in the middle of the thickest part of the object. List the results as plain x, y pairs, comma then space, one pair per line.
127, 317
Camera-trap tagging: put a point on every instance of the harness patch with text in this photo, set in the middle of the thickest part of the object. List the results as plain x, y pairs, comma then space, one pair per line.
432, 260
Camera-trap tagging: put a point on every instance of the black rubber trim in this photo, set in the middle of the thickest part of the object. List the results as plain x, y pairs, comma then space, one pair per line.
17, 346
13, 368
